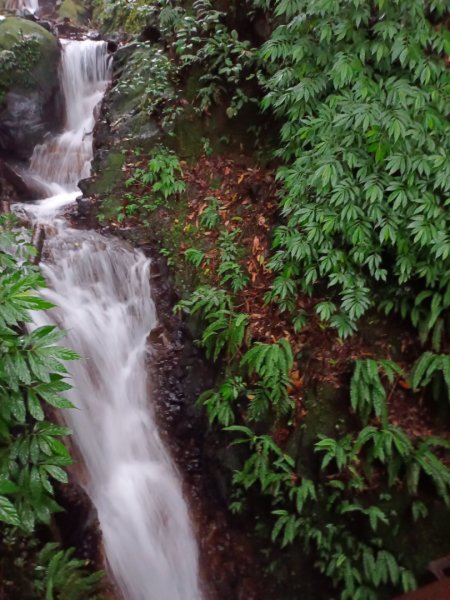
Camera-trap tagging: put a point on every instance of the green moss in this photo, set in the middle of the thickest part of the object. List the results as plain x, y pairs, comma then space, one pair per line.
108, 175
327, 414
28, 55
121, 15
15, 29
72, 10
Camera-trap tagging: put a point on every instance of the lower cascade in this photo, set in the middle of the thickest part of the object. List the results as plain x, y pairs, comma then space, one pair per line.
101, 289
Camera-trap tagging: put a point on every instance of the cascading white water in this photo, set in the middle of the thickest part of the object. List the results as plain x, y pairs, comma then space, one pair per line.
102, 292
61, 161
31, 5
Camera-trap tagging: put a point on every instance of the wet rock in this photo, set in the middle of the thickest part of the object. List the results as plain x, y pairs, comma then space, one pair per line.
113, 46
68, 30
22, 191
37, 240
95, 36
159, 339
30, 100
49, 26
79, 523
151, 33
26, 14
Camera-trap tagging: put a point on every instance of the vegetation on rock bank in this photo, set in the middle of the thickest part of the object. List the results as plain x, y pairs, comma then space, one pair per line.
326, 270
33, 457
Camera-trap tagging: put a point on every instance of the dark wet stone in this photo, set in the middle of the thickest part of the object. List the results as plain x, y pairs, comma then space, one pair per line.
15, 180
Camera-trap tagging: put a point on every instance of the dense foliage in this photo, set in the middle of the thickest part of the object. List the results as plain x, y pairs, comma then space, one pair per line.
33, 379
362, 89
360, 94
16, 63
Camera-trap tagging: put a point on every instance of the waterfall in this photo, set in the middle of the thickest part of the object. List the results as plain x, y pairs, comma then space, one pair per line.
101, 288
60, 162
31, 5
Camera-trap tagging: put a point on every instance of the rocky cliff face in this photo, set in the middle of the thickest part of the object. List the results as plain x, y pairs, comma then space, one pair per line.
30, 104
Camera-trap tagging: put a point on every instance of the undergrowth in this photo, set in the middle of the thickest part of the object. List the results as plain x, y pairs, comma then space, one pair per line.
360, 93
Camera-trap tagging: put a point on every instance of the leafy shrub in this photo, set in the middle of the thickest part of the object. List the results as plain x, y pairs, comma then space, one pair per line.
361, 89
201, 37
16, 64
272, 363
229, 269
154, 184
427, 367
32, 381
150, 77
32, 374
224, 328
210, 219
358, 473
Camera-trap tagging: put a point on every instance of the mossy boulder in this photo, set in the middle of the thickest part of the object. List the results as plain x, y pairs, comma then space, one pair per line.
131, 18
130, 122
73, 10
30, 99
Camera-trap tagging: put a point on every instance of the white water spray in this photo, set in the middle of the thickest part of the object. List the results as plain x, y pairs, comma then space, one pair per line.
58, 164
102, 291
31, 5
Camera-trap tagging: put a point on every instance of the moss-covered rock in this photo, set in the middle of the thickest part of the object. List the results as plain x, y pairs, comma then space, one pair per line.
30, 103
73, 10
130, 17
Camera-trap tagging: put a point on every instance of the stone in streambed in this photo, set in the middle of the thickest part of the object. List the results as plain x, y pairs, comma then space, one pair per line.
30, 101
15, 180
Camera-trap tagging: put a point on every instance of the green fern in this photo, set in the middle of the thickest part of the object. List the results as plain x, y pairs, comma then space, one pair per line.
60, 576
426, 368
272, 363
224, 328
220, 404
367, 392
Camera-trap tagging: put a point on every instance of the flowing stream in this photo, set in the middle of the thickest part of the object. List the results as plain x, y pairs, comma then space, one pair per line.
31, 5
102, 292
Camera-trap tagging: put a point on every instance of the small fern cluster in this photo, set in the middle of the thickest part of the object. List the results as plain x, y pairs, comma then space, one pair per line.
261, 376
224, 327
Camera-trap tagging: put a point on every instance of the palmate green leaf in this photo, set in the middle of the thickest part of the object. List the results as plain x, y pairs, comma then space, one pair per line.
31, 367
36, 486
8, 487
57, 473
17, 406
34, 406
47, 335
52, 429
49, 393
8, 513
19, 366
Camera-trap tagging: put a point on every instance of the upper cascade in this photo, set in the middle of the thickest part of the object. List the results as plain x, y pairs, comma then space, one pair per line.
31, 5
62, 161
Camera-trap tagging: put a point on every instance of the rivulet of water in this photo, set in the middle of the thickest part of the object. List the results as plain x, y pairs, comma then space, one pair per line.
101, 288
